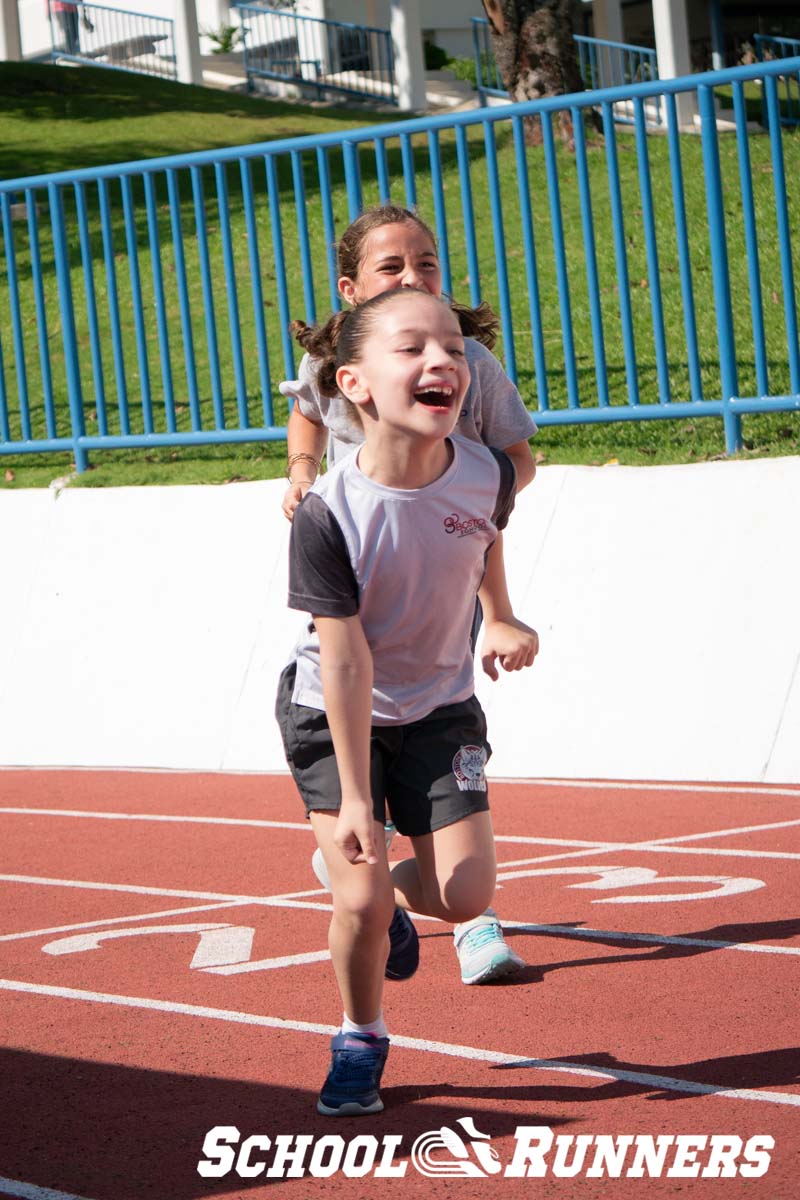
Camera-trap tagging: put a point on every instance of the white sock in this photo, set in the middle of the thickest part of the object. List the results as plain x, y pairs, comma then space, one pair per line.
480, 920
376, 1028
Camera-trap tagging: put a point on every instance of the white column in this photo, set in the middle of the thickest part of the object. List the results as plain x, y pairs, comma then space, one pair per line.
409, 64
672, 50
187, 43
223, 11
10, 40
313, 39
607, 20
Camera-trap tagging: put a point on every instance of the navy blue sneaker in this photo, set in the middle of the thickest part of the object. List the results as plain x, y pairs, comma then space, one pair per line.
351, 1089
403, 947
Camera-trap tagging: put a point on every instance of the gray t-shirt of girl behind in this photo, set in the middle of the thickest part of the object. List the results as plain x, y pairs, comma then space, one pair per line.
493, 411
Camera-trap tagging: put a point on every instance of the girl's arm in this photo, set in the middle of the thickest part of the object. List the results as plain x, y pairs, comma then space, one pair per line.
521, 455
303, 436
346, 671
505, 638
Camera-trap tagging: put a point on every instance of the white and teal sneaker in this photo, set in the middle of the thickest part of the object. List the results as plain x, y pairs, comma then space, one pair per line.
483, 953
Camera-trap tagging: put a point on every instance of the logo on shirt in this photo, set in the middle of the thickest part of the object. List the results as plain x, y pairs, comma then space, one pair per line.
468, 767
454, 524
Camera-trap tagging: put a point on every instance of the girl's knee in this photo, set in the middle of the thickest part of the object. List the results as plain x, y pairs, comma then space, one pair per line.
364, 911
456, 902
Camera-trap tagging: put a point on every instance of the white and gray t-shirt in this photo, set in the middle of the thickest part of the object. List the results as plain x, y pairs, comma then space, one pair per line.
492, 413
409, 563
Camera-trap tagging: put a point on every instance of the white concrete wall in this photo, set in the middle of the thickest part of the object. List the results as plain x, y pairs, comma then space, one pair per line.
146, 627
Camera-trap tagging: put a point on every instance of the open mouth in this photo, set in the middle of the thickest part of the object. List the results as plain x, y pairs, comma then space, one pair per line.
440, 396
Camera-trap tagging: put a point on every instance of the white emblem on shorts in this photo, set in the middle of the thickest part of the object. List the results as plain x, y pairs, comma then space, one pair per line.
468, 767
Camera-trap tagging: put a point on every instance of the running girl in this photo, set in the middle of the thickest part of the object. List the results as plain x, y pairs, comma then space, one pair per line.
388, 551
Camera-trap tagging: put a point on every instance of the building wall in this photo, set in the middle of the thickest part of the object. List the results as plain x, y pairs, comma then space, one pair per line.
35, 27
741, 19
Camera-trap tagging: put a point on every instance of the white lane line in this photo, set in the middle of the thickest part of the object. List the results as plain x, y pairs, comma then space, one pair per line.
578, 843
452, 1050
659, 939
30, 1191
642, 847
630, 785
593, 846
603, 845
714, 833
176, 819
718, 851
167, 912
286, 900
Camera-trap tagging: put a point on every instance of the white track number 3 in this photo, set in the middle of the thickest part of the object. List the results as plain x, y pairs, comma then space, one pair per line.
619, 878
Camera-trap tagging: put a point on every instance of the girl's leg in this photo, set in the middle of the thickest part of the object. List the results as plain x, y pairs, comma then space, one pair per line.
452, 874
363, 904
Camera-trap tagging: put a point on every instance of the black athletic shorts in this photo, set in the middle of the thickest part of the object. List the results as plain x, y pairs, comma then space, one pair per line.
430, 772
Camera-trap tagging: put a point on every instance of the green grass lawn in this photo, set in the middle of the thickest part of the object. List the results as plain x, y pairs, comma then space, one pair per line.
53, 118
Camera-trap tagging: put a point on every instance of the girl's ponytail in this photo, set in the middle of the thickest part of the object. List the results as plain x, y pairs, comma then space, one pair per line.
321, 341
480, 323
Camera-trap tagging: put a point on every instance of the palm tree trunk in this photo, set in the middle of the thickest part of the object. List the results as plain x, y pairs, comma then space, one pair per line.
534, 49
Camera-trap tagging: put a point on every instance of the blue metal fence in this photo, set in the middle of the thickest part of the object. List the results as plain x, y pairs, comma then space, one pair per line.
328, 56
96, 35
768, 49
602, 64
148, 304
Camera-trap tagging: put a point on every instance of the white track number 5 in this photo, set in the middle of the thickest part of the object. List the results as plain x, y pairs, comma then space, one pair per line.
617, 878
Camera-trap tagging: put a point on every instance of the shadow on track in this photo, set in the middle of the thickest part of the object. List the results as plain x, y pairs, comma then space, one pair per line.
766, 1068
113, 1132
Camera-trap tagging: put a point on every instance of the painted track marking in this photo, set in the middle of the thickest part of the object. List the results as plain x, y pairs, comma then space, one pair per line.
452, 1050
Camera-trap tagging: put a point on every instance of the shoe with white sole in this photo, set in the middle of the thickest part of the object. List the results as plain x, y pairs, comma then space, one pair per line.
483, 953
351, 1089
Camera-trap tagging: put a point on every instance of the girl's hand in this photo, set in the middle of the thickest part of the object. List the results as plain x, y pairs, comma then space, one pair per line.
355, 833
292, 497
510, 641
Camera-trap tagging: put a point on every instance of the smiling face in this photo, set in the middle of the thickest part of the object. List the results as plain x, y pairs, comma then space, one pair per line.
411, 374
399, 255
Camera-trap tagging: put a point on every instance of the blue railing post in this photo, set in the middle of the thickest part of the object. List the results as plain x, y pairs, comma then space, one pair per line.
61, 257
719, 267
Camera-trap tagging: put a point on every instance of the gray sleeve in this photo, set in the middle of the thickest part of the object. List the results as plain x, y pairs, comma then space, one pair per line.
304, 390
499, 413
507, 490
321, 577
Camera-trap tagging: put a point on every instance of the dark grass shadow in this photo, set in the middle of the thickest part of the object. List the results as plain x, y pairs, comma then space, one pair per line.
42, 92
120, 1133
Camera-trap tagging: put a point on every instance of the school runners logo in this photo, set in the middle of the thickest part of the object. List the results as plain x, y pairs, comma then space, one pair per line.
535, 1153
454, 524
461, 1161
468, 767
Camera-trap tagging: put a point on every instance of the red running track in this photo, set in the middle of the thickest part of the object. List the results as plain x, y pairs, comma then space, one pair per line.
160, 976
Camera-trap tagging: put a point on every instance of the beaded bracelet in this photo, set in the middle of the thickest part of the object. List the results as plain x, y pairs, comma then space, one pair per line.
300, 457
